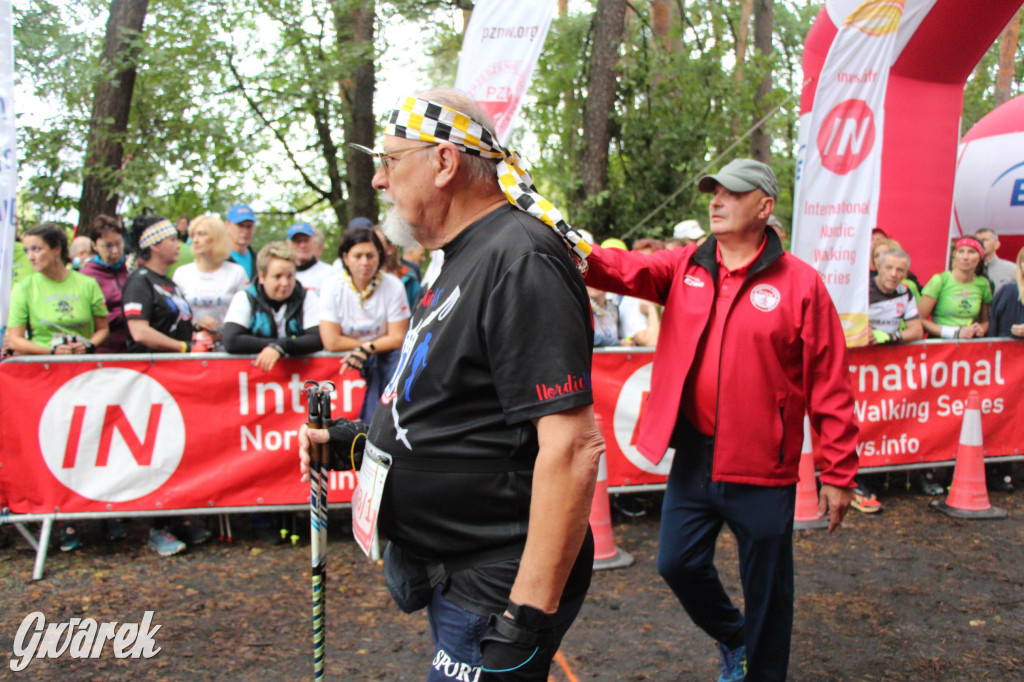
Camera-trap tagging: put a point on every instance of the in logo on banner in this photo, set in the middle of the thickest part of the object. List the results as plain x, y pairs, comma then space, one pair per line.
112, 435
847, 136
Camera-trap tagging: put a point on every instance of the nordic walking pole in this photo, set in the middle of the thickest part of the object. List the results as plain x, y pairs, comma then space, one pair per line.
317, 520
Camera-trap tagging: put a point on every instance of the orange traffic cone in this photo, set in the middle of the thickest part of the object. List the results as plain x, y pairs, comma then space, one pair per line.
806, 515
606, 554
968, 495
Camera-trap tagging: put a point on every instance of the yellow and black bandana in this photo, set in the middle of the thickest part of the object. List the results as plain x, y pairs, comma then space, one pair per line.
419, 119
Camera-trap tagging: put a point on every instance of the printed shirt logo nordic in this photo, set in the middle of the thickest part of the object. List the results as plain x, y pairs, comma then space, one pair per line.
765, 297
572, 384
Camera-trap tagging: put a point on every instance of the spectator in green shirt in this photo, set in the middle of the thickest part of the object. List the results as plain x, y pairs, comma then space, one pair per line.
954, 304
55, 310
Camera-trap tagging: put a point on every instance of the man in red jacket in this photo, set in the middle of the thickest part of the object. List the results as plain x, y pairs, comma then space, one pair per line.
750, 342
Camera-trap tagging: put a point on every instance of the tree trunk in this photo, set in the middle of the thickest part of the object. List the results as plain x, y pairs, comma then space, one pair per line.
609, 24
661, 22
111, 105
1007, 68
742, 36
764, 25
357, 98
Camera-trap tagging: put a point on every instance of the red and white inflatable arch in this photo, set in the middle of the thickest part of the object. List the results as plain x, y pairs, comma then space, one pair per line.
880, 117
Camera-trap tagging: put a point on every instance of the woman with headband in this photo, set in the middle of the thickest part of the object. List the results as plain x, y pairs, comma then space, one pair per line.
954, 304
159, 318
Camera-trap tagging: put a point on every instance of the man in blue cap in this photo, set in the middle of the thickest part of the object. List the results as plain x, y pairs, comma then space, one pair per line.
310, 271
241, 224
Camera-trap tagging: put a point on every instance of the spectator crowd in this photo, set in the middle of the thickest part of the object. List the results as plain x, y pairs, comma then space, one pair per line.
198, 285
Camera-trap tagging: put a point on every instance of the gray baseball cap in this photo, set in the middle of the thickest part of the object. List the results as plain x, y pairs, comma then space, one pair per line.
742, 175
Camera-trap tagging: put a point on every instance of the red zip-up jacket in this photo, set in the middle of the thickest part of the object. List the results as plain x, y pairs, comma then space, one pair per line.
783, 355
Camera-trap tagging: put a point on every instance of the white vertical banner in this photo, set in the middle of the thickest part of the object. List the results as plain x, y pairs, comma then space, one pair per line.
8, 159
838, 179
499, 52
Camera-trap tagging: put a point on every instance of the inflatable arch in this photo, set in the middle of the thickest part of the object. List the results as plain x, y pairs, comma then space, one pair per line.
879, 128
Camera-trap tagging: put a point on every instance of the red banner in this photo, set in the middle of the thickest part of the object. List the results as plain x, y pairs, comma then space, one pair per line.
621, 383
109, 435
910, 399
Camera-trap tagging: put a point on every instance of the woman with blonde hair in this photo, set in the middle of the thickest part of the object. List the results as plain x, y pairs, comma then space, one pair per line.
274, 317
1008, 305
211, 280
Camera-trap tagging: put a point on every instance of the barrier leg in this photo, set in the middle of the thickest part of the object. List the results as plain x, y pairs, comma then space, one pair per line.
29, 538
44, 545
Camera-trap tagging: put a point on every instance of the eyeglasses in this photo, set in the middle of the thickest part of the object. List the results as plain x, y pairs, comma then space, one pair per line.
110, 246
387, 159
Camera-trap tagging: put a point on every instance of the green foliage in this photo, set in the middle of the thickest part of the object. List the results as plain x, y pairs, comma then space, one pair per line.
182, 152
196, 143
676, 111
979, 94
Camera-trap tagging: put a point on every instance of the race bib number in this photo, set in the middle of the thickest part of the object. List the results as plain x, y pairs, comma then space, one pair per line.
367, 495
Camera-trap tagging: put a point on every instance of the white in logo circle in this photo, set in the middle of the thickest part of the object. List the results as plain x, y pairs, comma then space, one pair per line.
765, 297
624, 423
112, 435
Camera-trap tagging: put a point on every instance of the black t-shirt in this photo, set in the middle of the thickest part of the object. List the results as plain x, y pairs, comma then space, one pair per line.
502, 338
153, 297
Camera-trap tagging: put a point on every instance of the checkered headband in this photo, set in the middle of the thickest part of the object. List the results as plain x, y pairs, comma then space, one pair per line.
156, 233
418, 119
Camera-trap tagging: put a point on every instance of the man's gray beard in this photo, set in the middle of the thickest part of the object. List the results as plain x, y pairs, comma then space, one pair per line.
397, 229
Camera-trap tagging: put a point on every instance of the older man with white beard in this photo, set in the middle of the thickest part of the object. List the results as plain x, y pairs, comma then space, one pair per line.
486, 430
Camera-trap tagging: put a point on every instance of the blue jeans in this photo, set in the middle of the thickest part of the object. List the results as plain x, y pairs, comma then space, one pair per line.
377, 373
761, 518
457, 633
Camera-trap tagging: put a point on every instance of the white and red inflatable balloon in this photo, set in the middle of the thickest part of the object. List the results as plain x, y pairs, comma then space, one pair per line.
989, 190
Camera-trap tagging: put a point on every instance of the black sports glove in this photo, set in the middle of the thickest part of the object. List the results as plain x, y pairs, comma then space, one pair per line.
342, 434
512, 647
357, 357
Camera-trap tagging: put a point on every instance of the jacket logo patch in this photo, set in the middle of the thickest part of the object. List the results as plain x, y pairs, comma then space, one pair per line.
765, 297
692, 281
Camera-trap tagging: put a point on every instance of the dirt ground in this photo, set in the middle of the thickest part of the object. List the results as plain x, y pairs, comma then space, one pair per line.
908, 594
